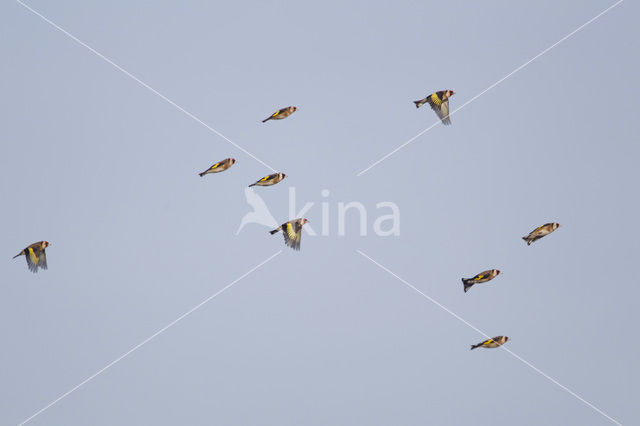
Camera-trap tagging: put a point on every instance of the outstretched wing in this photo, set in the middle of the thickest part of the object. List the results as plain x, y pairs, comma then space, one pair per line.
33, 259
43, 260
292, 235
443, 113
435, 100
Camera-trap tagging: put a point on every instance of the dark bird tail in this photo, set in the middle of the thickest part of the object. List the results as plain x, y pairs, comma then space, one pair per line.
253, 184
274, 231
266, 119
527, 240
418, 103
476, 346
19, 254
467, 284
202, 174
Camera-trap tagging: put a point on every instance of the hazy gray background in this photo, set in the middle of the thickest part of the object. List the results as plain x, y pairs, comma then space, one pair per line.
107, 172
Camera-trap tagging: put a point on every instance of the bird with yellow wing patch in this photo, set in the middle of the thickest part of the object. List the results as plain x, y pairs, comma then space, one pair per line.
439, 102
540, 232
220, 166
292, 231
482, 277
491, 343
281, 113
272, 179
35, 255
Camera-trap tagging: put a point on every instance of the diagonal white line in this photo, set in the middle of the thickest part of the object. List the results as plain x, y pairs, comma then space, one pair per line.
459, 318
142, 83
492, 86
148, 339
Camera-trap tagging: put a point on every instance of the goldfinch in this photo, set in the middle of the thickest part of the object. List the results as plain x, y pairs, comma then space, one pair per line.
292, 231
281, 113
219, 167
439, 102
540, 232
482, 277
491, 343
272, 179
35, 255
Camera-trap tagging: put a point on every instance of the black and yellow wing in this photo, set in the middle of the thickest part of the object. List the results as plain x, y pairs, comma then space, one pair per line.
440, 106
217, 167
276, 115
484, 275
292, 235
487, 342
265, 181
435, 100
36, 258
268, 178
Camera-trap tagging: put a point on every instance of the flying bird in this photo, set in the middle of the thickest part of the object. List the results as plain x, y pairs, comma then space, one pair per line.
35, 255
482, 277
439, 102
540, 232
292, 231
219, 167
281, 113
272, 179
491, 343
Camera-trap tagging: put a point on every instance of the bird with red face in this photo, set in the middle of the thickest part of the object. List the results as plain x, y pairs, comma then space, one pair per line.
35, 255
220, 166
292, 231
439, 102
494, 342
540, 232
269, 180
482, 277
281, 113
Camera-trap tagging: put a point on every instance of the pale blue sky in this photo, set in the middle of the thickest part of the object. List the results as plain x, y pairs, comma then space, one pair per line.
107, 172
